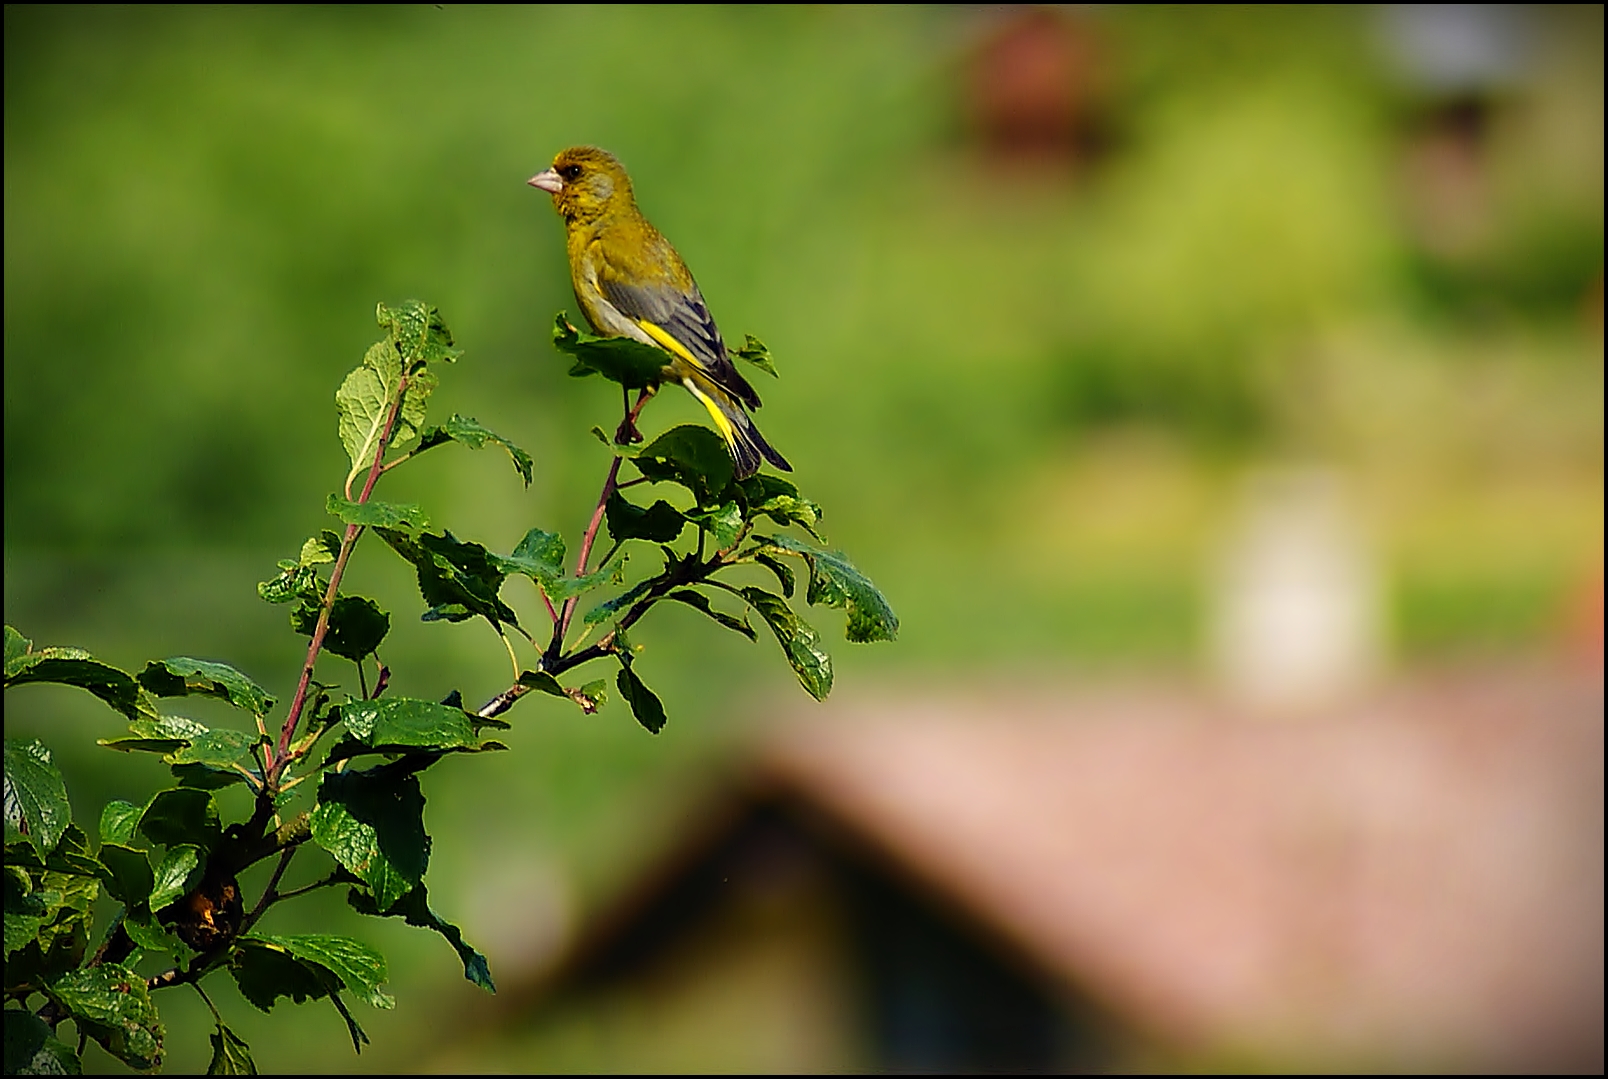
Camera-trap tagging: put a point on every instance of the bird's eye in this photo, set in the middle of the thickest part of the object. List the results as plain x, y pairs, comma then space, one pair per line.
569, 172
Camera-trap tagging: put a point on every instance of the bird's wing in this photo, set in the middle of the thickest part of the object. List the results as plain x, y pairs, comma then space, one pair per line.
679, 320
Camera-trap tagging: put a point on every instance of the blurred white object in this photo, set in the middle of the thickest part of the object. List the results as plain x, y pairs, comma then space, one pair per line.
1296, 603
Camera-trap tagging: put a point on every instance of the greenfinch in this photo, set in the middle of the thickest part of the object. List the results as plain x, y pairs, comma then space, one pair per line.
631, 283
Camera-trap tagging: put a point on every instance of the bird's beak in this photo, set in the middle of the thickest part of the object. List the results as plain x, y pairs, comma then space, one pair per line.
549, 181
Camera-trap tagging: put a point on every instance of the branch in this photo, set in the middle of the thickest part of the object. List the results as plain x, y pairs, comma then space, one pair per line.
282, 757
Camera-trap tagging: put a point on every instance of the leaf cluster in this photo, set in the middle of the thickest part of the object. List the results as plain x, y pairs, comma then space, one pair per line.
171, 864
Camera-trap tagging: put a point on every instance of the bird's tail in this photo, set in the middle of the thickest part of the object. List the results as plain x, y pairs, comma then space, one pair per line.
743, 439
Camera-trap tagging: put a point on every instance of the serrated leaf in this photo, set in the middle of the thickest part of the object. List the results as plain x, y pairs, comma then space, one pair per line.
111, 1004
783, 572
755, 352
25, 909
217, 748
835, 582
419, 331
35, 794
294, 582
407, 722
31, 1047
61, 937
645, 706
319, 549
592, 696
470, 432
660, 522
799, 641
118, 821
457, 580
265, 972
791, 510
183, 676
357, 626
16, 649
400, 516
177, 874
415, 909
691, 455
71, 667
230, 1054
609, 608
146, 932
156, 734
182, 815
372, 823
701, 602
203, 777
359, 968
724, 523
129, 878
618, 359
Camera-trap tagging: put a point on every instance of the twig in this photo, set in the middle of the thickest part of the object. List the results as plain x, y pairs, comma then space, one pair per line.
349, 540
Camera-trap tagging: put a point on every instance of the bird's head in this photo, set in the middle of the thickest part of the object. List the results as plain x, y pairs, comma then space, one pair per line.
585, 183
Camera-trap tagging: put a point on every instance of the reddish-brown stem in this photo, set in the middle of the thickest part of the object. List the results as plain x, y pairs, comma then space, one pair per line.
349, 540
610, 485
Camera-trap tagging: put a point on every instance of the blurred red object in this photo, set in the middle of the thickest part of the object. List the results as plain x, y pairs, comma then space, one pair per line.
1032, 87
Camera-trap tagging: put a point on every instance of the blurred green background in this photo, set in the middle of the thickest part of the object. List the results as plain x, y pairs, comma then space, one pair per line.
1024, 368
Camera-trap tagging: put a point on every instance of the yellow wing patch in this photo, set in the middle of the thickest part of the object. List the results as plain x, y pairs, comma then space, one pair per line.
726, 430
670, 344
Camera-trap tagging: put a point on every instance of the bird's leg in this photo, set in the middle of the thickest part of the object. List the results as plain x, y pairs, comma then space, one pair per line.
627, 432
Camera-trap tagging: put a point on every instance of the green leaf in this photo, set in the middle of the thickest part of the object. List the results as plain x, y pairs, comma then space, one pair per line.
835, 582
356, 626
401, 516
61, 934
724, 523
701, 602
359, 968
592, 696
645, 706
32, 1048
128, 873
219, 747
157, 734
469, 432
177, 874
118, 821
415, 909
618, 359
182, 676
17, 649
373, 824
182, 815
420, 333
755, 352
541, 680
69, 667
146, 932
35, 794
204, 777
319, 549
691, 455
798, 639
783, 572
608, 608
265, 972
660, 522
457, 580
560, 590
408, 723
25, 909
111, 1004
230, 1054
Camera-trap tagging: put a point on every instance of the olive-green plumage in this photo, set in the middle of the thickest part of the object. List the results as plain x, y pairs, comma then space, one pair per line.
631, 283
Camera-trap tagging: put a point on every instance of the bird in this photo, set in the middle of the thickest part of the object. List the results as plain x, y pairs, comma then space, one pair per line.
630, 282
